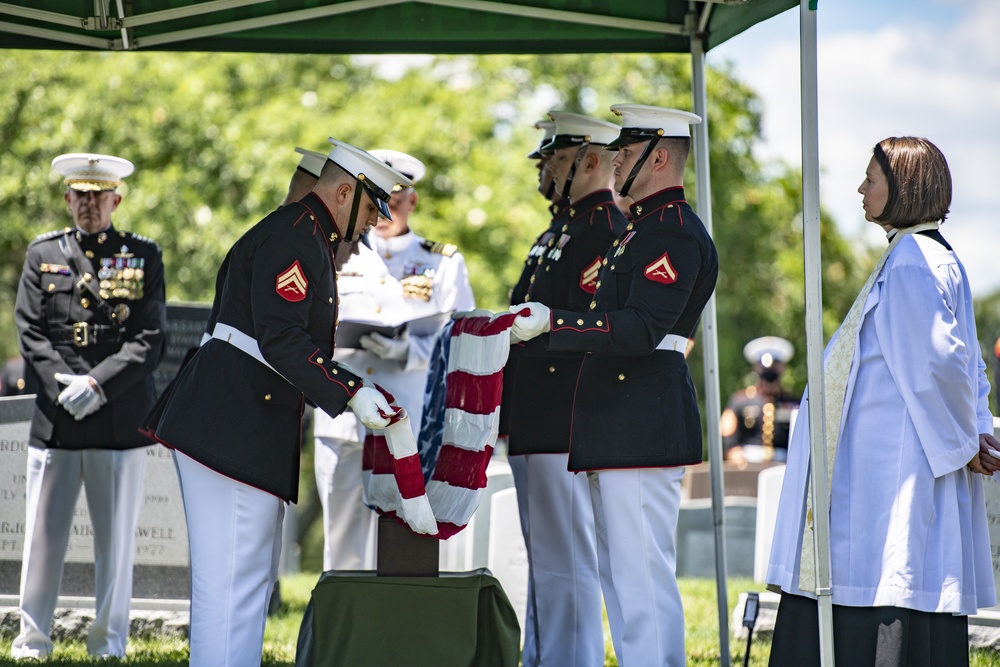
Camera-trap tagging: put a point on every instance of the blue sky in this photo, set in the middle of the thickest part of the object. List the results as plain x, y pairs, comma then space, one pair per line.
890, 67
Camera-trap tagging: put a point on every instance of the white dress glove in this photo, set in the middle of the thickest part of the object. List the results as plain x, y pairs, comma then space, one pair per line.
369, 406
527, 327
82, 395
384, 347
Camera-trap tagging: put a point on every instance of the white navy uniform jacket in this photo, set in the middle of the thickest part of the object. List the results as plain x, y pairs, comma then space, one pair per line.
908, 518
391, 290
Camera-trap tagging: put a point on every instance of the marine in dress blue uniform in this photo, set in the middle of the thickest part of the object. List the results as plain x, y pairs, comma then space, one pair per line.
757, 420
90, 313
561, 544
233, 413
635, 416
518, 294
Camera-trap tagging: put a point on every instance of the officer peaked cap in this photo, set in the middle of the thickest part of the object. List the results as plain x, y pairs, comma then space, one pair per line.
573, 129
311, 162
376, 177
548, 128
407, 165
89, 172
768, 349
641, 122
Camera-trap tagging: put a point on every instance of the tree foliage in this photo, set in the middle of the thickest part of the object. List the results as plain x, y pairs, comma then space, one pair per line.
212, 138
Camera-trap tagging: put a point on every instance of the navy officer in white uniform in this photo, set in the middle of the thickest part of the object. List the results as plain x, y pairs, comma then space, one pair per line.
233, 413
635, 414
432, 272
401, 278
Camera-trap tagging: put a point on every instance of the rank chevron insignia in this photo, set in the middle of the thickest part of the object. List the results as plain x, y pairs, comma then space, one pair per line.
291, 284
662, 271
588, 277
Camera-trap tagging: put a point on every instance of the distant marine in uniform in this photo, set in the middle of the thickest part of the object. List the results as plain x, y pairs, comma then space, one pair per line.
757, 421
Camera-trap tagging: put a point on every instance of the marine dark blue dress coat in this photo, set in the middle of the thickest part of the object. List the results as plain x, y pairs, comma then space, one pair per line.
635, 405
228, 410
518, 295
64, 329
565, 276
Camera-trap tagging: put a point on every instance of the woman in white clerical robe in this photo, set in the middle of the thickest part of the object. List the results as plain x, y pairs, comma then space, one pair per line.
909, 545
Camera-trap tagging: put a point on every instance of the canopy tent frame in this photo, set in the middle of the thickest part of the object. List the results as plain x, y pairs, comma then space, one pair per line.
249, 25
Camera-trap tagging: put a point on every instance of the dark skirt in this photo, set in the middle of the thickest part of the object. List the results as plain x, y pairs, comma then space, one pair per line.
869, 636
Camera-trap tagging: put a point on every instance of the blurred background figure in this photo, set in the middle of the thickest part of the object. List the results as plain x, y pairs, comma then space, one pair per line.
756, 422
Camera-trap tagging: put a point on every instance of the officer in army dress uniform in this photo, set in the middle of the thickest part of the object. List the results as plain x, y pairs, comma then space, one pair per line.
757, 420
635, 415
562, 548
90, 313
233, 413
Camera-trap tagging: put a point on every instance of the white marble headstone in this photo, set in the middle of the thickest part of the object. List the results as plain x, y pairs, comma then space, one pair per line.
508, 557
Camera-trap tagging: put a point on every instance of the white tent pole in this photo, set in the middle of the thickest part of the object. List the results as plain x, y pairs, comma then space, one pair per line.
814, 325
710, 345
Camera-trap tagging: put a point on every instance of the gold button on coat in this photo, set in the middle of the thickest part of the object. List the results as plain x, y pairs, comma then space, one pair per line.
319, 360
267, 397
621, 376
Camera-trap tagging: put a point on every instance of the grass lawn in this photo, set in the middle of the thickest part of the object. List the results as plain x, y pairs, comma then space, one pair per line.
283, 628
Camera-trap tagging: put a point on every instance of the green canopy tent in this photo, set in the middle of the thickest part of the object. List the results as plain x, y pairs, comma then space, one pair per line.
480, 27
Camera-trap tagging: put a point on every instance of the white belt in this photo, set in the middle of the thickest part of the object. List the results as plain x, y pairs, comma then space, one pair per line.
240, 340
671, 342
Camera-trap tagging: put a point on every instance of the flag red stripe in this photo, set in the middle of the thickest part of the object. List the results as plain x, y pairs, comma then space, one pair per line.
483, 326
477, 394
462, 467
409, 477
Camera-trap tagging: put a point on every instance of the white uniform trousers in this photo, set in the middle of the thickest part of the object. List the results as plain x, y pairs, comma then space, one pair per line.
349, 526
562, 564
635, 513
529, 633
234, 533
113, 483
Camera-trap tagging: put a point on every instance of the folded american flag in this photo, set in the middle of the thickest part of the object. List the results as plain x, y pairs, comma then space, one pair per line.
461, 417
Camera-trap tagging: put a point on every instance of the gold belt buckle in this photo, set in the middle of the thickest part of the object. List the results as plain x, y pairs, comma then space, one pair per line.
80, 337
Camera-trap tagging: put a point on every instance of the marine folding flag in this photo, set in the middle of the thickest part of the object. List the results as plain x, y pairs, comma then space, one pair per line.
461, 418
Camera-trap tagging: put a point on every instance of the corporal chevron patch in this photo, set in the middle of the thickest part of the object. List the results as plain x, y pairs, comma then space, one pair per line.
291, 284
662, 271
588, 277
